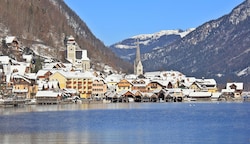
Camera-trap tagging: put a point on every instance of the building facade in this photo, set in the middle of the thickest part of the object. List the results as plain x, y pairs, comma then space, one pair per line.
77, 56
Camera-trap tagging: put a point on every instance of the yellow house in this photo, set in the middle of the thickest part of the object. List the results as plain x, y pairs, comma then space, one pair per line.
205, 85
82, 82
23, 87
61, 78
112, 80
123, 85
154, 85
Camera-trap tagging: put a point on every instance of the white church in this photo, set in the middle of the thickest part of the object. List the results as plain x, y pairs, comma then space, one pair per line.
77, 56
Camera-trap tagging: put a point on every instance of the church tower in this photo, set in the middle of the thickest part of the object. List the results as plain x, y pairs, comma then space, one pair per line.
71, 49
138, 68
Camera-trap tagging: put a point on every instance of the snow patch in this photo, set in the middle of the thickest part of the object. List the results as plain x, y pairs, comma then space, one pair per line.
243, 72
162, 33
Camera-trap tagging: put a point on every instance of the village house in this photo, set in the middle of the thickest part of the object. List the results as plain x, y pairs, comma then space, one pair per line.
154, 85
13, 44
48, 97
99, 88
205, 85
43, 75
112, 81
233, 90
12, 41
24, 86
200, 96
123, 85
140, 84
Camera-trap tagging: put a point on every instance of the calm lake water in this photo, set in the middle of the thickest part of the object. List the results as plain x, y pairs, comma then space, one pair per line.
152, 123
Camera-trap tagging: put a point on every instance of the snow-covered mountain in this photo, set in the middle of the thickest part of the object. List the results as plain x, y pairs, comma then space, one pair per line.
219, 48
148, 42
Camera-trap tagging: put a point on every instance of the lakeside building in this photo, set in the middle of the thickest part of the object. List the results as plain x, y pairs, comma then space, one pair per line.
82, 82
99, 88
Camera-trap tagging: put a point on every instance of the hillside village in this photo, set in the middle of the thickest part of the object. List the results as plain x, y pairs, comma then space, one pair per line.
46, 81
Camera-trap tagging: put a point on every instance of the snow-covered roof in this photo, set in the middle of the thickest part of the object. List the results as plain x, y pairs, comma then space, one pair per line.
162, 82
135, 91
8, 69
16, 75
77, 74
72, 91
152, 74
28, 58
131, 76
47, 94
149, 94
175, 90
187, 91
206, 81
41, 72
19, 90
239, 85
172, 76
4, 59
113, 78
123, 92
110, 94
228, 90
58, 65
9, 39
216, 95
30, 75
200, 94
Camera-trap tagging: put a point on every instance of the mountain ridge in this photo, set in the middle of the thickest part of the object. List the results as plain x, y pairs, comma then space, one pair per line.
147, 42
218, 48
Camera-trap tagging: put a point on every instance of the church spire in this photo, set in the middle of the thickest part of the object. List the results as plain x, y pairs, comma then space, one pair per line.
138, 68
138, 55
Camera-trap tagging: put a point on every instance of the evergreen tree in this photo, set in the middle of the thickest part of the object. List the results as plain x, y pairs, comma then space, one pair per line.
38, 65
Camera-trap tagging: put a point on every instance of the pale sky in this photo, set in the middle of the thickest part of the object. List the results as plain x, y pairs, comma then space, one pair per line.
112, 21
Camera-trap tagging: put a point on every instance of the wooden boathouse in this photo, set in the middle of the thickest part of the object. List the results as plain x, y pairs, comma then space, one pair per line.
48, 97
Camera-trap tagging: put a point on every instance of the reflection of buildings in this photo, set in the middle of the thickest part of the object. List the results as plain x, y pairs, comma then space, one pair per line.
77, 56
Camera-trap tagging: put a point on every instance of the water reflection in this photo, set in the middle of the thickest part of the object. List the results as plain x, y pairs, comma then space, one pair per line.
126, 123
69, 107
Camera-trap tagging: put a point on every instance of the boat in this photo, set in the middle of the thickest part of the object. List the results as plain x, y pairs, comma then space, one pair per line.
30, 101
